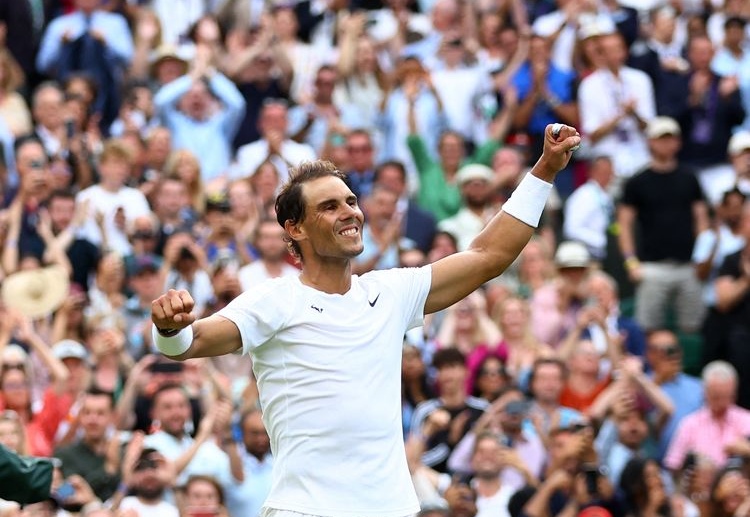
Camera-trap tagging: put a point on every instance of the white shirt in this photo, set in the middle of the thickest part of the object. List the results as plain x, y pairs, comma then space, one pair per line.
133, 203
255, 273
464, 226
588, 212
209, 460
328, 368
496, 505
161, 509
457, 89
728, 243
250, 156
600, 96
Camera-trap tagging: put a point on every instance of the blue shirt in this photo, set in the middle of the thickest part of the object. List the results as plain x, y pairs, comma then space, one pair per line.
113, 27
686, 393
559, 83
247, 498
209, 139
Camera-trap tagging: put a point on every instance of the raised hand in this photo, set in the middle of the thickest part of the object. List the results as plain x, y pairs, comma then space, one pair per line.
172, 310
559, 143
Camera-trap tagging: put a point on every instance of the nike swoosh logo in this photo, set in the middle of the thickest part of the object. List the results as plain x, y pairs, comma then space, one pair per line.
372, 303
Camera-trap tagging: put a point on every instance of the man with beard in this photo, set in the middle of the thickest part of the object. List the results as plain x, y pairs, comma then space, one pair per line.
200, 455
246, 498
272, 252
92, 457
148, 483
475, 183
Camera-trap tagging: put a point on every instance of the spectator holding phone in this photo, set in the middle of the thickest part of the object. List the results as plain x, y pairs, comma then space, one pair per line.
95, 456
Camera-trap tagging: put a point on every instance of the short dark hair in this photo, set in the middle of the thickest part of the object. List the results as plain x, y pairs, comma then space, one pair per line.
448, 357
24, 140
98, 392
732, 192
168, 386
390, 164
290, 203
547, 361
61, 194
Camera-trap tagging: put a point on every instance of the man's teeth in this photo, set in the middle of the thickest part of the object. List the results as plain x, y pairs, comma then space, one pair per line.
350, 231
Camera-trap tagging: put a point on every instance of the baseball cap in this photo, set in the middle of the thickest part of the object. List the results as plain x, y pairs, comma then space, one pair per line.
140, 263
69, 349
572, 254
474, 171
662, 126
739, 143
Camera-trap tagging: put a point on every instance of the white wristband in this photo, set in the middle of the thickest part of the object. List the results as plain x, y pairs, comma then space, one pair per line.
528, 200
173, 345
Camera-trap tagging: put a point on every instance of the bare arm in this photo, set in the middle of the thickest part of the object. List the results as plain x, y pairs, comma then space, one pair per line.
212, 336
498, 245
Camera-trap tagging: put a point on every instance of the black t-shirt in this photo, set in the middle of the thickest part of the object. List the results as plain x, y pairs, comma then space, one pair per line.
740, 313
664, 202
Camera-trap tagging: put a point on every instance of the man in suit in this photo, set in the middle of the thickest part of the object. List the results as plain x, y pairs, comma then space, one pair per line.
419, 225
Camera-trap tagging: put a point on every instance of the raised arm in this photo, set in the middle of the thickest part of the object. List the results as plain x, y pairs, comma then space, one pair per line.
207, 337
498, 245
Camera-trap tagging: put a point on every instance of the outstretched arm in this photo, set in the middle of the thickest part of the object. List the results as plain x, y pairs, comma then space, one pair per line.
498, 245
178, 335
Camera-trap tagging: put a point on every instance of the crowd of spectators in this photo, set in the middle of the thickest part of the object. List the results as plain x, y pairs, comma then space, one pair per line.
142, 143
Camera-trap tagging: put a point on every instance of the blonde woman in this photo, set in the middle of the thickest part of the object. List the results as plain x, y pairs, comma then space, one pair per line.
185, 165
13, 109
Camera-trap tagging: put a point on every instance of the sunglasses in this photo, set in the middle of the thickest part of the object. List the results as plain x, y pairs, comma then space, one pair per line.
141, 235
14, 366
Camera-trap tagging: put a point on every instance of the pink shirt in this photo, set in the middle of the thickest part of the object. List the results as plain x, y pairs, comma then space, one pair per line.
701, 433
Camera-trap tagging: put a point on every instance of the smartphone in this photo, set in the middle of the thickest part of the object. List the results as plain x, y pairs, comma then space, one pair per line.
171, 367
70, 128
65, 491
591, 472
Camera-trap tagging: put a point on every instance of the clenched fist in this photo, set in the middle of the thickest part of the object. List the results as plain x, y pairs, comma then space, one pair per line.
172, 310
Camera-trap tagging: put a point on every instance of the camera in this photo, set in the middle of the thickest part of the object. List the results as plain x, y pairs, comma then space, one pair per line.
592, 472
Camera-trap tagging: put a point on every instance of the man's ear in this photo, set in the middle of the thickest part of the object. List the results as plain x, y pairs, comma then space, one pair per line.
295, 231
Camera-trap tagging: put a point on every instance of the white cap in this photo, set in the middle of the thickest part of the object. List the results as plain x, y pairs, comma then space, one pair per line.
572, 254
738, 143
474, 171
662, 126
69, 349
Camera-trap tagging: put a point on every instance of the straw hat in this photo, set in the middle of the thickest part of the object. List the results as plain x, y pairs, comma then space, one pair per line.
38, 292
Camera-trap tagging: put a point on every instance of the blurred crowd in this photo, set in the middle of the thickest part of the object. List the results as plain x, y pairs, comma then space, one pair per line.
606, 373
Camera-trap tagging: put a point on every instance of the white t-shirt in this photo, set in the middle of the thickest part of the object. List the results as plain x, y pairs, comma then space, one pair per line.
328, 368
133, 203
256, 273
161, 509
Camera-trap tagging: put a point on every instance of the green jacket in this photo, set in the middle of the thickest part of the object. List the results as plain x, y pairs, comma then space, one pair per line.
24, 480
435, 194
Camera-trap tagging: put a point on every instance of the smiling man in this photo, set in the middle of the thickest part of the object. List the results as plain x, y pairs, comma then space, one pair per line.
326, 345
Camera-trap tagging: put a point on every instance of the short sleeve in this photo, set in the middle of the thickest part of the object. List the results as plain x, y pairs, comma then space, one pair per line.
703, 246
259, 313
410, 286
698, 194
630, 192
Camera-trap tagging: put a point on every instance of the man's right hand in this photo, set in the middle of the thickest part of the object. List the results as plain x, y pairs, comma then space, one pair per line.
172, 310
